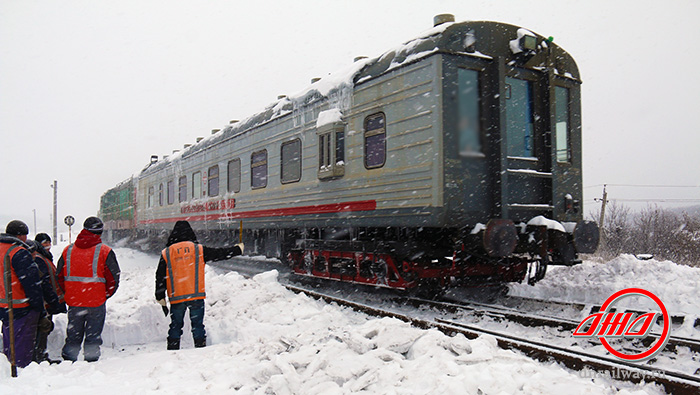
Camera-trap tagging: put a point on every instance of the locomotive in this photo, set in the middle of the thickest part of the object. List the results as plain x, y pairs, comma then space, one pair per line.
452, 159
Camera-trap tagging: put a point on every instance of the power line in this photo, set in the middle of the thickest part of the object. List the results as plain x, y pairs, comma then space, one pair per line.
643, 186
659, 200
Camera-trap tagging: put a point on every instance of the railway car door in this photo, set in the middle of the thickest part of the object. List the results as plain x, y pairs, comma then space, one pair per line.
528, 171
519, 119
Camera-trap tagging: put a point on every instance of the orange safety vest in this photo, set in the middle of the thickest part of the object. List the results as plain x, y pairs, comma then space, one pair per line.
19, 299
84, 281
52, 275
185, 275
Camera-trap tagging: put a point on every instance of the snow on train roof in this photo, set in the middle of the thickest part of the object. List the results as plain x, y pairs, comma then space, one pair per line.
337, 87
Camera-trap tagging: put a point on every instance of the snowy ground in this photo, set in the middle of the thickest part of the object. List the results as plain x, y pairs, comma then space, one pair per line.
266, 339
593, 282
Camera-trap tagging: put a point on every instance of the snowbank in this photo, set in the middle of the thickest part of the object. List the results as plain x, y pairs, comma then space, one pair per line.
593, 282
266, 339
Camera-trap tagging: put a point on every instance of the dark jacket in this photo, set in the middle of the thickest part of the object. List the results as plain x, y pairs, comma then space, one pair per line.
28, 275
87, 239
51, 295
182, 231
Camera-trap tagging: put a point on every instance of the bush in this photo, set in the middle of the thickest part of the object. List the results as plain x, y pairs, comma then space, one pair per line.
661, 232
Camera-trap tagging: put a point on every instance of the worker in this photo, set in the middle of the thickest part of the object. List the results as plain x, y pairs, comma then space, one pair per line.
181, 272
88, 273
16, 264
47, 270
45, 241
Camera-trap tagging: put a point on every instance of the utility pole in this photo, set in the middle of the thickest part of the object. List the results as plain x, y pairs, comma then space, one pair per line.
55, 209
604, 202
601, 224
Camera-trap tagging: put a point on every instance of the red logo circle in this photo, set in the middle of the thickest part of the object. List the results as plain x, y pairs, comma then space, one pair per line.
658, 345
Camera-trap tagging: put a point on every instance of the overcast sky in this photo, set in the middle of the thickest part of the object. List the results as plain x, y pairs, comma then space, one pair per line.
90, 89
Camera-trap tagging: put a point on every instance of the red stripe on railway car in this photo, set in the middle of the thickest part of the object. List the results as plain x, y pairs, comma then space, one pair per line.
363, 205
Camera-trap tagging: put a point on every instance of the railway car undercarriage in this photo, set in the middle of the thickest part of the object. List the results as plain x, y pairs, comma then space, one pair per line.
432, 259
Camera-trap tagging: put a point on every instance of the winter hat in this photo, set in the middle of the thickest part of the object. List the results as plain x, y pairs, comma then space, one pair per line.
94, 225
17, 228
31, 245
42, 238
182, 231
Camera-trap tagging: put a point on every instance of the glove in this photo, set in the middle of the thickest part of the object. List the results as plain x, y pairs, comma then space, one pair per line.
164, 305
240, 245
45, 325
56, 308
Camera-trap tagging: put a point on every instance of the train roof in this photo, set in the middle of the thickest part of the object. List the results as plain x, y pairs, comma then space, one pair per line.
482, 39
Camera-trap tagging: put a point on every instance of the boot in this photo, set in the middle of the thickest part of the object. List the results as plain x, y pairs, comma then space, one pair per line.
173, 344
199, 343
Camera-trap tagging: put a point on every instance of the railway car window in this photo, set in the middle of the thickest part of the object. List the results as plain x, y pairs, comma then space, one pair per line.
182, 189
213, 181
291, 161
258, 169
234, 176
171, 192
375, 141
197, 185
562, 119
469, 114
519, 117
331, 150
160, 195
151, 196
340, 148
324, 154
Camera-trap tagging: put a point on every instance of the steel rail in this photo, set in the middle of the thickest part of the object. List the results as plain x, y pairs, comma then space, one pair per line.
498, 312
673, 382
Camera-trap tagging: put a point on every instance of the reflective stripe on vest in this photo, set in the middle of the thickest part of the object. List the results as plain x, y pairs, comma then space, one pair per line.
171, 278
7, 280
95, 277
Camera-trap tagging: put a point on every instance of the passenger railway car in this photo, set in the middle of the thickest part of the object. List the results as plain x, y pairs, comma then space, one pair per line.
452, 158
117, 209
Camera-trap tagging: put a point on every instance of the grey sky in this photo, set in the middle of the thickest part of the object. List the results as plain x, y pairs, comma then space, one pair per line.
90, 89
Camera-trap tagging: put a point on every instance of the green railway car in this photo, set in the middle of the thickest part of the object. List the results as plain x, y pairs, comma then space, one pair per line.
117, 210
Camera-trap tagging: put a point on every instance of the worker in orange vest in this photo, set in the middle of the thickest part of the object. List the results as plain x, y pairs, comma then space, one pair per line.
181, 273
88, 273
49, 280
17, 266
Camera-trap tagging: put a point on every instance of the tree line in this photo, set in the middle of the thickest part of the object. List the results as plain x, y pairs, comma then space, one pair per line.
663, 233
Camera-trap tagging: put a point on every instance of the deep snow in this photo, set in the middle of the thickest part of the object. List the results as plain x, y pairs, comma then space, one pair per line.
593, 282
266, 339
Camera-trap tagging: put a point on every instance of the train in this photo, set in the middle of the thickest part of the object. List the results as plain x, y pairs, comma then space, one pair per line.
453, 159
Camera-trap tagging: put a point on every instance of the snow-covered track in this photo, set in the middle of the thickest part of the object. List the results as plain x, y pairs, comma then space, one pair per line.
249, 266
535, 304
500, 312
673, 382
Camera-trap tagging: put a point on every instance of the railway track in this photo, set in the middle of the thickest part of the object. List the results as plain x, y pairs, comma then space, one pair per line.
673, 382
509, 308
501, 312
533, 304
